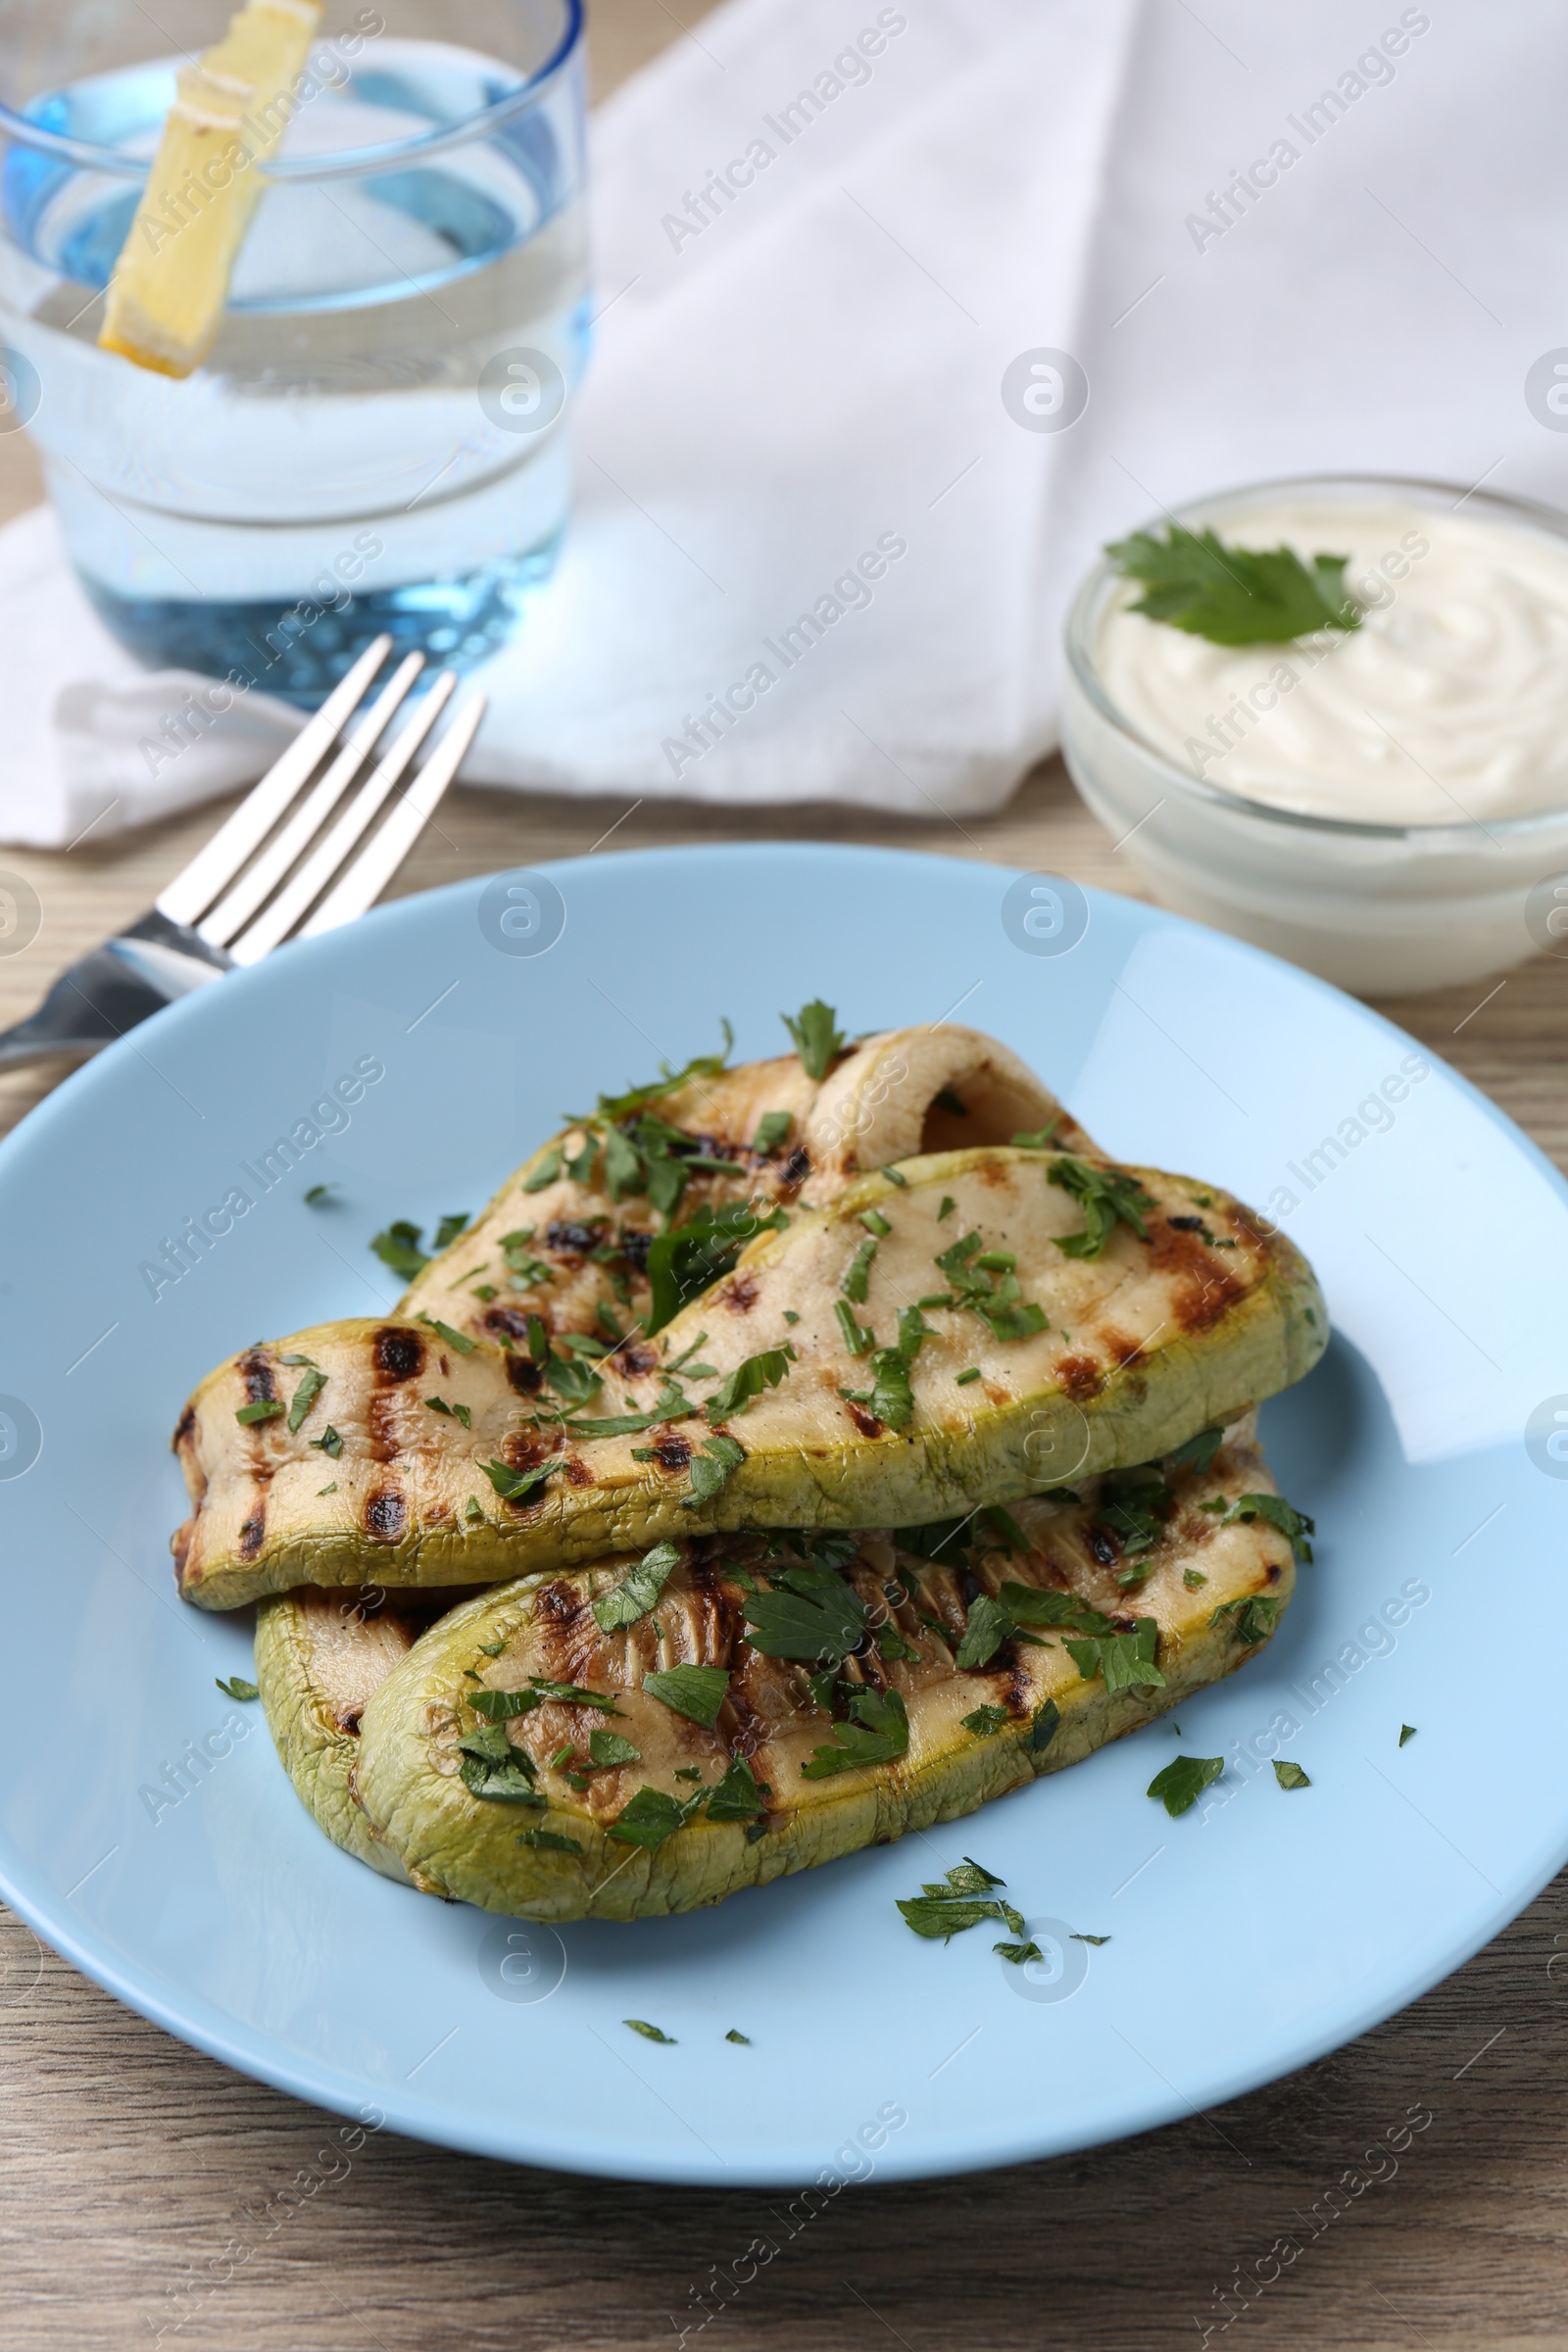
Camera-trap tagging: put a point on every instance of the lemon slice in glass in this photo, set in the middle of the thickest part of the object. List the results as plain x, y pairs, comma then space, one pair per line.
165, 298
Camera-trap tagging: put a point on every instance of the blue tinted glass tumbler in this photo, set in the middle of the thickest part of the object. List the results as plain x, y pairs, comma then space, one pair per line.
379, 438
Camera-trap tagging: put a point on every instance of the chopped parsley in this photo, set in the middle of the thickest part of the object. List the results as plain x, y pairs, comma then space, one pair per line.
451, 1225
1041, 1136
857, 1338
1199, 1452
748, 1380
237, 1687
695, 1691
546, 1173
989, 1626
569, 1694
1289, 1774
687, 1259
331, 1489
1105, 1196
891, 1645
1194, 1579
640, 2024
652, 1816
877, 1733
962, 1380
739, 1795
891, 1397
733, 2036
772, 1129
948, 1908
1406, 1732
711, 1470
328, 1443
609, 1747
1035, 1605
1252, 1620
315, 1194
875, 1223
858, 1271
265, 1408
818, 1041
809, 1614
548, 1842
1018, 1954
1043, 1730
459, 1340
398, 1246
1125, 1661
513, 1484
1294, 1525
492, 1769
983, 1720
985, 1282
492, 1649
473, 1510
949, 1204
1234, 595
1183, 1782
671, 1405
1088, 1938
637, 1593
453, 1412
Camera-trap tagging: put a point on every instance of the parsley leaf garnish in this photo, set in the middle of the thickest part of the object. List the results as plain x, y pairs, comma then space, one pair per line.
1043, 1728
738, 1797
859, 1268
305, 1397
1406, 1732
948, 1909
810, 1613
453, 1412
609, 1747
636, 1097
551, 1842
695, 1691
265, 1408
237, 1687
1199, 1452
818, 1041
733, 2036
1234, 595
459, 1340
712, 1469
1105, 1195
491, 1767
640, 2024
772, 1129
1181, 1782
328, 1441
399, 1248
983, 1720
315, 1194
687, 1259
546, 1173
891, 1397
1294, 1525
652, 1816
637, 1594
748, 1380
451, 1225
989, 1626
511, 1485
1289, 1773
1251, 1621
1126, 1660
877, 1733
856, 1338
990, 1288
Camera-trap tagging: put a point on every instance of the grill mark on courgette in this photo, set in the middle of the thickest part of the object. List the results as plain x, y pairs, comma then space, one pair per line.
386, 1514
252, 1532
397, 1353
257, 1373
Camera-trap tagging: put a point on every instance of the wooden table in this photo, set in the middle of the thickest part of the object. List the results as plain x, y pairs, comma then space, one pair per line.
129, 2164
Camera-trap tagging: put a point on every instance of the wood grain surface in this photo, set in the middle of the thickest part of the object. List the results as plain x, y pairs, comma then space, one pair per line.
143, 2188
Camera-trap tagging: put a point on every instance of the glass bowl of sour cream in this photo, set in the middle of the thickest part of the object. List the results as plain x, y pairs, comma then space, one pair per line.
1386, 804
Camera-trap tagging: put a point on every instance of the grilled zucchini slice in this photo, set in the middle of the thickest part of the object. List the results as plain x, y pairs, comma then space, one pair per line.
709, 1766
1056, 1345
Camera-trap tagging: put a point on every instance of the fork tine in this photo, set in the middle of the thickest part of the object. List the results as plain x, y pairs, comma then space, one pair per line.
258, 880
193, 890
374, 867
301, 891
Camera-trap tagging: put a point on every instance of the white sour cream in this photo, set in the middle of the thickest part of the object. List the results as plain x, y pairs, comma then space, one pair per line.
1449, 705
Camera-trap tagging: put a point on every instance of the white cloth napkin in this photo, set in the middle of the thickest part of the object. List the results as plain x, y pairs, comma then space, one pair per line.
817, 373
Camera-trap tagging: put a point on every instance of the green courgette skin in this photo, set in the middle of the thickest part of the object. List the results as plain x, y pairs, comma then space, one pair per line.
466, 1846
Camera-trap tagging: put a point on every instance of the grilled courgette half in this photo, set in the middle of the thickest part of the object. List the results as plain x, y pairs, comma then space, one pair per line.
648, 1735
566, 1238
972, 1327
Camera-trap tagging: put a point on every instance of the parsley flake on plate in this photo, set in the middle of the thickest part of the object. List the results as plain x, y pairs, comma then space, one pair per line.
398, 1248
640, 2024
1181, 1782
1406, 1732
237, 1687
733, 2036
1289, 1774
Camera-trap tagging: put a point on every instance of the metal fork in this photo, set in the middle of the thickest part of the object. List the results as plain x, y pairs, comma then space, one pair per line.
259, 881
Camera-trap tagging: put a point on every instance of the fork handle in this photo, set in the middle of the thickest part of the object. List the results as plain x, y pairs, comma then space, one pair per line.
104, 994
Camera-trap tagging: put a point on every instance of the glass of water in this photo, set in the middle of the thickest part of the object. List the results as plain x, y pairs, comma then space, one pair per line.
379, 437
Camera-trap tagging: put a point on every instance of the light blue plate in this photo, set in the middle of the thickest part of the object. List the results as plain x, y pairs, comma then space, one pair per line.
1246, 1938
